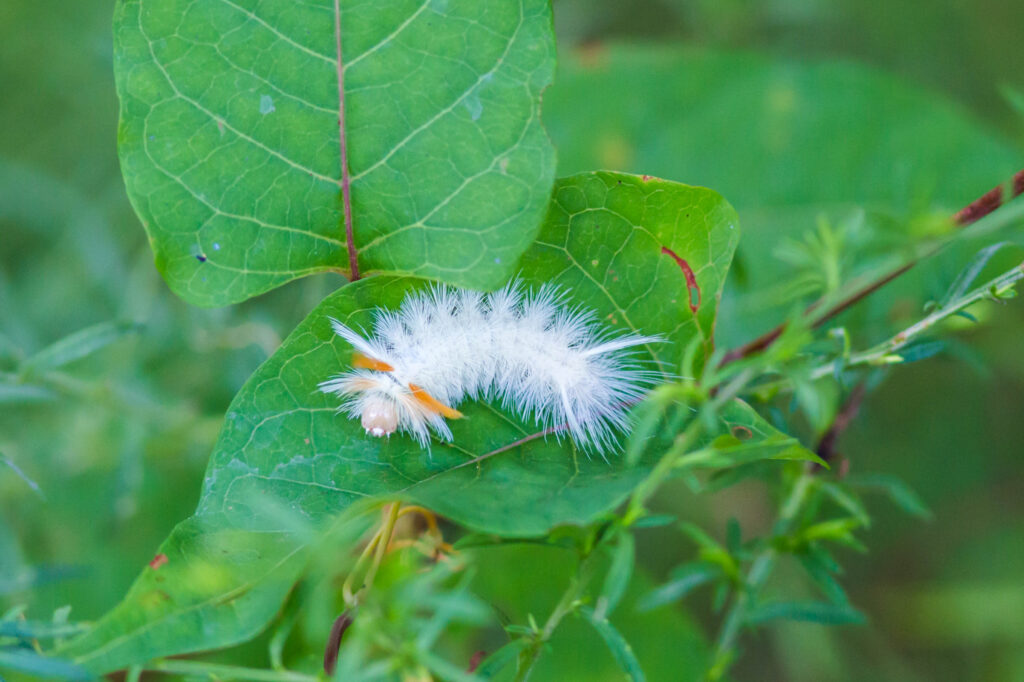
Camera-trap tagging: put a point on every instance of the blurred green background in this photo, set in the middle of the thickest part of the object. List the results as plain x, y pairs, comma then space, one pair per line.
870, 116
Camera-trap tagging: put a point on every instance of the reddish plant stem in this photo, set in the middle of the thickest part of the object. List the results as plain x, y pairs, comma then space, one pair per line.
977, 209
848, 412
346, 189
767, 339
341, 624
989, 201
521, 441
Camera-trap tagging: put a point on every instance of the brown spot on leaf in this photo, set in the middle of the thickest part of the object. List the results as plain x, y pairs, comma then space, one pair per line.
475, 660
742, 432
158, 561
691, 279
592, 54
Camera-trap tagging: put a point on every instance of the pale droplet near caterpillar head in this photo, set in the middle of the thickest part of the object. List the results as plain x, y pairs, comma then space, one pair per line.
379, 418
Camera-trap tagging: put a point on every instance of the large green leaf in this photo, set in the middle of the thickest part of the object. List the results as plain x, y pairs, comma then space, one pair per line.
789, 142
231, 151
284, 447
768, 132
627, 245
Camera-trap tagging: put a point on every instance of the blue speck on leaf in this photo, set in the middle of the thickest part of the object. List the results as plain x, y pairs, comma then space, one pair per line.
475, 106
266, 104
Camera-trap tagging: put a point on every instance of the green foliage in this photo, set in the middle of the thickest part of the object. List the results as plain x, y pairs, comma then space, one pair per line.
793, 145
230, 144
231, 154
285, 447
20, 650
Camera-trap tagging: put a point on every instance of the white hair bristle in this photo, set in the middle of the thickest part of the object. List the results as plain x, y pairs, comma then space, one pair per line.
528, 350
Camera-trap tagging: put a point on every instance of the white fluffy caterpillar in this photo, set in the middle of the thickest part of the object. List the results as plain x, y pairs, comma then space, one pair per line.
528, 350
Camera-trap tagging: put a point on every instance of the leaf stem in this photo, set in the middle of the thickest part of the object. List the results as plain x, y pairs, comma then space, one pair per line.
377, 546
346, 189
760, 568
382, 543
682, 446
568, 603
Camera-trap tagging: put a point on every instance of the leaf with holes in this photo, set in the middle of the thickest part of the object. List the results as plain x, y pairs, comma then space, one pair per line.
285, 451
231, 151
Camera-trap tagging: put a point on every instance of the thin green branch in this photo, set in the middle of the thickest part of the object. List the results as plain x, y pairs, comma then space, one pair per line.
885, 353
760, 569
571, 600
979, 208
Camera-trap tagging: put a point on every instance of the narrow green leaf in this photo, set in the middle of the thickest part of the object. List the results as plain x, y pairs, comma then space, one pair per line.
970, 273
712, 551
28, 661
499, 660
966, 315
750, 438
231, 151
726, 451
445, 670
654, 521
621, 651
725, 478
922, 350
834, 530
38, 630
684, 579
648, 417
700, 536
619, 573
78, 345
18, 393
821, 573
720, 595
8, 349
737, 435
733, 536
846, 499
892, 487
810, 612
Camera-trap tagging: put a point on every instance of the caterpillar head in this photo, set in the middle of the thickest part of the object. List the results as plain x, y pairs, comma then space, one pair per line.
385, 403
